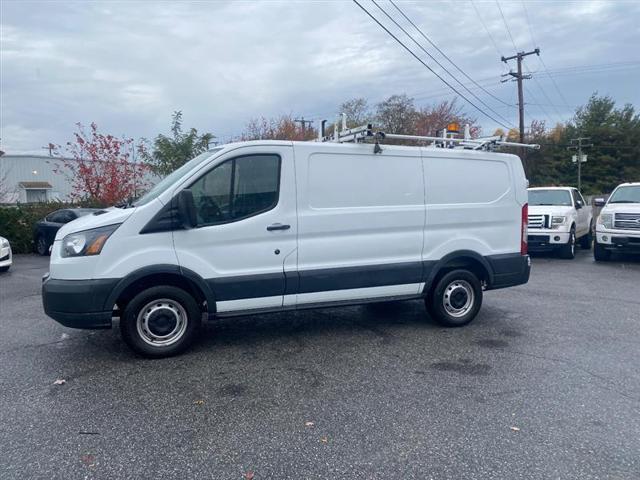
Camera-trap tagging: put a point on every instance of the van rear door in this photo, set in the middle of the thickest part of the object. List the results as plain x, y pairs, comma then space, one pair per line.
247, 226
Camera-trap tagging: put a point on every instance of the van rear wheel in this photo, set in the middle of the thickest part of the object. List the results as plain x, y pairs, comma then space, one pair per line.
160, 322
456, 299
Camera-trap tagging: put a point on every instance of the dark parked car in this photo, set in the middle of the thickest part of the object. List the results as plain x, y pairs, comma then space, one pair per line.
45, 230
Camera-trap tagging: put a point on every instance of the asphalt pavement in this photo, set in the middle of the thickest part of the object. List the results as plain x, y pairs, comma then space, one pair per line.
544, 384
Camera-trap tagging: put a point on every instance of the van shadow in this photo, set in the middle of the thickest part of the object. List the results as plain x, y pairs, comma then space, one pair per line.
301, 325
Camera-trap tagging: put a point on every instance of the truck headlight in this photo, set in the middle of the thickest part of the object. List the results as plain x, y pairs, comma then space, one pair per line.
557, 221
606, 220
88, 242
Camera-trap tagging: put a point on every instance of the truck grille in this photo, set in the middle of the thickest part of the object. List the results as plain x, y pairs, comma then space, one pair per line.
538, 221
627, 221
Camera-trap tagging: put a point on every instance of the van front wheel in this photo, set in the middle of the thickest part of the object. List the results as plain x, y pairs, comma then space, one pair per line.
456, 299
160, 322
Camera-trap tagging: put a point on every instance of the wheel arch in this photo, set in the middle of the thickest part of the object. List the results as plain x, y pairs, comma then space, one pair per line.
465, 259
154, 275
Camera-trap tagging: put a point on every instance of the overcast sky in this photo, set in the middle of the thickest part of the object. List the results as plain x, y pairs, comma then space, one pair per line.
127, 65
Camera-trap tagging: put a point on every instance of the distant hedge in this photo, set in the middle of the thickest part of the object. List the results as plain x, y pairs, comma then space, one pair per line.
17, 222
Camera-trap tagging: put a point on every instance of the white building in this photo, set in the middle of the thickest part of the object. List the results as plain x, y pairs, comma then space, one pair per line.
28, 178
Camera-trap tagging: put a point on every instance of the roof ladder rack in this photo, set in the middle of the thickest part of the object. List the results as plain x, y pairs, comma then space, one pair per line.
366, 133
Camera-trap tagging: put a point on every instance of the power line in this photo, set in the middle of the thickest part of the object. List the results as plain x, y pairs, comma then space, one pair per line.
544, 93
516, 48
507, 26
486, 29
445, 55
538, 104
490, 83
425, 65
540, 59
437, 62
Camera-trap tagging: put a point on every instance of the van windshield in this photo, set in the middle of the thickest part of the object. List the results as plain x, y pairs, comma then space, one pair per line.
629, 194
550, 197
170, 179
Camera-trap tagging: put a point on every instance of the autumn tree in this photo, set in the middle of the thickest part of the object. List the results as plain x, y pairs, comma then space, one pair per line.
396, 114
169, 153
357, 111
100, 167
432, 118
283, 127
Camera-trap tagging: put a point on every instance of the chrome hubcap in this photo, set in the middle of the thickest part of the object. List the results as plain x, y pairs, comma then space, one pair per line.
573, 242
458, 298
162, 322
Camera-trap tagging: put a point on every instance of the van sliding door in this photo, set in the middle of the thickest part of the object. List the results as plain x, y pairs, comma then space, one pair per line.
360, 222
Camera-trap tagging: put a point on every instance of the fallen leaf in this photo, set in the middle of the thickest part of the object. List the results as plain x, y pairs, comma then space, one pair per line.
324, 439
249, 475
515, 429
60, 381
199, 402
89, 460
309, 424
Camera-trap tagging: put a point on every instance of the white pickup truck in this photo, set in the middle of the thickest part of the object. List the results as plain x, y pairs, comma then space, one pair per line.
558, 218
618, 226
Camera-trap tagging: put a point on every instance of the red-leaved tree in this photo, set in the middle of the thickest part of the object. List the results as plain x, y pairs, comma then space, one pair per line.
101, 168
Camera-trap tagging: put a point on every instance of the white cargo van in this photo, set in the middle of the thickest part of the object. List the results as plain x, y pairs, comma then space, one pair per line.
268, 226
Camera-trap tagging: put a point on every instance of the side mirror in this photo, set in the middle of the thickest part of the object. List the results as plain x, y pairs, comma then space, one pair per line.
186, 209
579, 204
599, 202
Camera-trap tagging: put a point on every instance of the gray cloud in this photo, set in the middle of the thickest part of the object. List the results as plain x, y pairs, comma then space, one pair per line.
128, 65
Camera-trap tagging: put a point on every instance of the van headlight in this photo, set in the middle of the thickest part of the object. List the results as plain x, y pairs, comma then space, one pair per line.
606, 220
88, 242
557, 221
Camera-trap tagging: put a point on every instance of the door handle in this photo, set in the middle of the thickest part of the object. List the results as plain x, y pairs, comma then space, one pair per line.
278, 226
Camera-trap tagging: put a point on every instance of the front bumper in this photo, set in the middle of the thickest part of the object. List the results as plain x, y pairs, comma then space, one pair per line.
509, 270
619, 241
545, 239
78, 303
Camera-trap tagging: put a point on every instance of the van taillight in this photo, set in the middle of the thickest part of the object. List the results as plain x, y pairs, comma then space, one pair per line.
523, 230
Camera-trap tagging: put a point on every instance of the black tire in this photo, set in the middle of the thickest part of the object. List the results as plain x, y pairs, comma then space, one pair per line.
175, 314
42, 247
568, 251
5, 269
600, 254
587, 240
454, 289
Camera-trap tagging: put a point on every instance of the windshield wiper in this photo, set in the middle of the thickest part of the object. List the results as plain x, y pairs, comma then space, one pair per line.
126, 204
624, 201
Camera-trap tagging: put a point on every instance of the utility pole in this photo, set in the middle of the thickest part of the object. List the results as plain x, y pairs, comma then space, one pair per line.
50, 147
579, 160
304, 123
518, 78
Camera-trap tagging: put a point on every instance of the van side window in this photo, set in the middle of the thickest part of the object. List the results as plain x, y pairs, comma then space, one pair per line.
237, 189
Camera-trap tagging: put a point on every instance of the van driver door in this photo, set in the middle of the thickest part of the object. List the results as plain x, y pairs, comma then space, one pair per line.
246, 227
